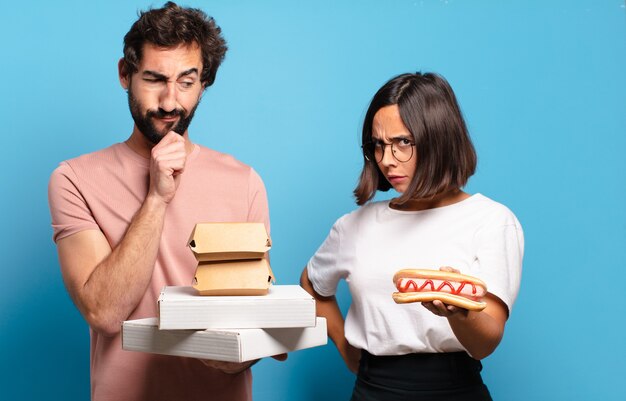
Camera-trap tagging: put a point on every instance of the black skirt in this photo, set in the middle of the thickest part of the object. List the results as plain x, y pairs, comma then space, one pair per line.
452, 376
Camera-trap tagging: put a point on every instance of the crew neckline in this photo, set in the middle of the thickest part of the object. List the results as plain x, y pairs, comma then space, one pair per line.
144, 161
458, 204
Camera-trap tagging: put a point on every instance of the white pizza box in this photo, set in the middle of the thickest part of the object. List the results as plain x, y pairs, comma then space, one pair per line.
181, 308
231, 345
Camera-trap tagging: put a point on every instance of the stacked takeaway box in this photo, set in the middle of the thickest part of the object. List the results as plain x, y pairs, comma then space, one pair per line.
231, 259
232, 312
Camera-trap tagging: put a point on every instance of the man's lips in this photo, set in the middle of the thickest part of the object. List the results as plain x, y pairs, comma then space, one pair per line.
167, 119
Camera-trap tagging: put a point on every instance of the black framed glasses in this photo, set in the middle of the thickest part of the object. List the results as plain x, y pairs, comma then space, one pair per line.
401, 149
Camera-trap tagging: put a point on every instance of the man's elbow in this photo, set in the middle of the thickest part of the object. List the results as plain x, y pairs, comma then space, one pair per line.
107, 326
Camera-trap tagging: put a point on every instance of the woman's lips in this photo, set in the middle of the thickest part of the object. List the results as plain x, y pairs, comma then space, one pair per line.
396, 179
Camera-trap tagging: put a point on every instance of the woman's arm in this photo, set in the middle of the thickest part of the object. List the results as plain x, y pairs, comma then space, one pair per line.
328, 308
479, 332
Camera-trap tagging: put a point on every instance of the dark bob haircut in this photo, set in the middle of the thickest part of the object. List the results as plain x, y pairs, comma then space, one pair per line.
446, 158
172, 26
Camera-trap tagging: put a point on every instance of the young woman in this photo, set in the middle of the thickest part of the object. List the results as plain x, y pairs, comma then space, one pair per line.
415, 141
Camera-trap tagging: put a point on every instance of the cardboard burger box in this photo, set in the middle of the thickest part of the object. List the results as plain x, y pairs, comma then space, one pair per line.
232, 345
232, 258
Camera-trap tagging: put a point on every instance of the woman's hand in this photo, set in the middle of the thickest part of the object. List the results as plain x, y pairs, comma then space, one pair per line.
442, 309
479, 332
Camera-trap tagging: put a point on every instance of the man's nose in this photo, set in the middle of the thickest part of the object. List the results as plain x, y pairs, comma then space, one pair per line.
167, 101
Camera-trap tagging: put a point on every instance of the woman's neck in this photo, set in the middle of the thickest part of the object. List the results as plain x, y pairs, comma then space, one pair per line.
444, 199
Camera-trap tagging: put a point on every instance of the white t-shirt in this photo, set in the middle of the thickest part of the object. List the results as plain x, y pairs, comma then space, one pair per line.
477, 236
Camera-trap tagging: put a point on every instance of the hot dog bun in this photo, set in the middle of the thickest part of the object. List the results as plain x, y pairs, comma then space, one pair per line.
424, 285
461, 302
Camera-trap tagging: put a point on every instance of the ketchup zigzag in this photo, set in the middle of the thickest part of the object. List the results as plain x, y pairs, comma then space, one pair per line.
410, 283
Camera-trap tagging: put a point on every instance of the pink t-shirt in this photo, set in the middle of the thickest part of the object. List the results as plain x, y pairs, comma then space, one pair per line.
103, 191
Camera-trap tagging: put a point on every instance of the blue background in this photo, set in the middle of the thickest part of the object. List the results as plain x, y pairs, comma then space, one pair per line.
541, 84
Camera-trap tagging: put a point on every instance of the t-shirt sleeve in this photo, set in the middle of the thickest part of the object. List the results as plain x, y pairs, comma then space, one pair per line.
325, 268
258, 209
68, 209
500, 250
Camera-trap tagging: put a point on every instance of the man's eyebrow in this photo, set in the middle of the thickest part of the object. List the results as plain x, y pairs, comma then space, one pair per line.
154, 74
160, 76
188, 72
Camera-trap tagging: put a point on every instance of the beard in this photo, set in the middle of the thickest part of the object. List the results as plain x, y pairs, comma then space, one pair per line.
145, 122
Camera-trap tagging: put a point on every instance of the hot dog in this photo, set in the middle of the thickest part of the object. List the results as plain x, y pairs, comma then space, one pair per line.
422, 285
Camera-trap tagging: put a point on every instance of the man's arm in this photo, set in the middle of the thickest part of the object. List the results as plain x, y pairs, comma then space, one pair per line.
107, 284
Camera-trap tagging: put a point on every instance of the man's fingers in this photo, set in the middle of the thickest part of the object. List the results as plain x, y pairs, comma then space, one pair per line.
229, 367
167, 159
280, 357
170, 156
167, 163
170, 164
171, 137
168, 148
170, 143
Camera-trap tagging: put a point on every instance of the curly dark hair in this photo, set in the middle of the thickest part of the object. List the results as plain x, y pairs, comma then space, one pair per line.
171, 26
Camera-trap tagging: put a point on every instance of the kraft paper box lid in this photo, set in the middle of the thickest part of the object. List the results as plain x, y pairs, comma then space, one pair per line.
229, 241
240, 277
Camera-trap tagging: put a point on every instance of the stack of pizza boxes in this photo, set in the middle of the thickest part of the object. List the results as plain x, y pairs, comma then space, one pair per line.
232, 311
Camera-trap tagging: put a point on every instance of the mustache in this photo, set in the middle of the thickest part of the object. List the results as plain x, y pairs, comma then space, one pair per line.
160, 113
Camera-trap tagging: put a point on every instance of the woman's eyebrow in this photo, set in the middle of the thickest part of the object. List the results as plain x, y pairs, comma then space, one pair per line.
393, 137
401, 136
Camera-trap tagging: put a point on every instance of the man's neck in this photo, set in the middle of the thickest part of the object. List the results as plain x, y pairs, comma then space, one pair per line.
139, 144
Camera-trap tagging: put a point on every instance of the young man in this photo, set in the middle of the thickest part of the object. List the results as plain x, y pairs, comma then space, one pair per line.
121, 216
